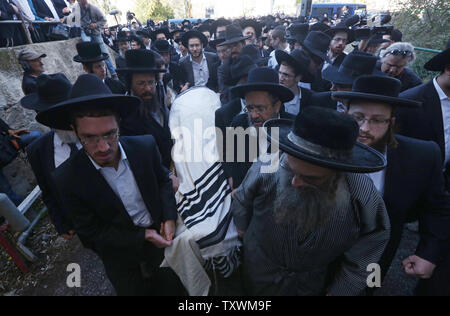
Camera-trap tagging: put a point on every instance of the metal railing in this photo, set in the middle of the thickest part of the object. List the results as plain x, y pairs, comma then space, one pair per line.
25, 24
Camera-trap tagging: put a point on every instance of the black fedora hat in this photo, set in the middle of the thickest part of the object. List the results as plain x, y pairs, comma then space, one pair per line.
317, 43
233, 35
341, 27
326, 138
319, 27
162, 30
263, 79
140, 61
254, 24
194, 34
162, 46
220, 39
356, 64
377, 88
297, 32
51, 89
438, 62
89, 52
89, 90
297, 59
240, 67
254, 53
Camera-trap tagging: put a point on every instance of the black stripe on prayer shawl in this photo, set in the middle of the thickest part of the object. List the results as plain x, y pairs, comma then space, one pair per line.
205, 196
223, 194
224, 265
218, 235
188, 196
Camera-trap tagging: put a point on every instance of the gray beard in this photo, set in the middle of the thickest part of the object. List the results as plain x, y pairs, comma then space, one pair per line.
67, 137
307, 208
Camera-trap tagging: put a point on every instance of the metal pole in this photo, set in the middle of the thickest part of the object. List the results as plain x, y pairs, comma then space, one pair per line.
428, 50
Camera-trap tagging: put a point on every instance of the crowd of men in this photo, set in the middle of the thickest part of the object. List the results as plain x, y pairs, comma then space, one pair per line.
364, 149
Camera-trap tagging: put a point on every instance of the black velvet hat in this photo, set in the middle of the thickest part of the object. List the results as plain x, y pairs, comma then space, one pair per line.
254, 53
140, 61
438, 62
233, 35
194, 34
220, 39
263, 79
89, 90
297, 32
326, 138
354, 65
319, 27
240, 68
89, 52
377, 88
297, 59
254, 24
317, 43
162, 46
51, 89
341, 27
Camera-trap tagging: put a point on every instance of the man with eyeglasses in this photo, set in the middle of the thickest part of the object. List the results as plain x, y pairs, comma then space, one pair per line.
412, 186
394, 62
340, 35
116, 190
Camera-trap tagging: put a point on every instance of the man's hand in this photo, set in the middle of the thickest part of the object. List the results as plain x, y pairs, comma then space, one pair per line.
14, 8
185, 87
175, 183
152, 236
66, 10
168, 230
69, 235
49, 19
419, 267
17, 133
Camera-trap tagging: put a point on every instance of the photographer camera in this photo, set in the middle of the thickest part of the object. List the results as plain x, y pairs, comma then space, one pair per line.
92, 22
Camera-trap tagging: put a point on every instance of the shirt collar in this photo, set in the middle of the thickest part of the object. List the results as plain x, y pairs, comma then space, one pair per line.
441, 93
123, 157
192, 61
57, 140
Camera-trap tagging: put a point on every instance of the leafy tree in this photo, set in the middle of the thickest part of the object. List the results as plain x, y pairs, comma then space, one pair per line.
155, 9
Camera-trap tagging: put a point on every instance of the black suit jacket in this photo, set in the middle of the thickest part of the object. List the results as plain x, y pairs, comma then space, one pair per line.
238, 170
4, 128
136, 125
41, 155
323, 99
414, 190
99, 215
59, 6
213, 64
29, 84
43, 11
115, 86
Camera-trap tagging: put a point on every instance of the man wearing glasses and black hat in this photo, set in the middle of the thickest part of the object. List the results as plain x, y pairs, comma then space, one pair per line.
116, 190
312, 226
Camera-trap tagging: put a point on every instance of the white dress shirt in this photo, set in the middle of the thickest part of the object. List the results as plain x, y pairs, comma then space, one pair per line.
49, 4
445, 105
61, 150
378, 179
123, 183
273, 60
293, 106
201, 72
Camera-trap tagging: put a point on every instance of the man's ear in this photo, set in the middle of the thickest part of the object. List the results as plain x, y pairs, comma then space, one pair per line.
277, 106
393, 121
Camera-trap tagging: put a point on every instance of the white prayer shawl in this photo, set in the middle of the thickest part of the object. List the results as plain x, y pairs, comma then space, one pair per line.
204, 196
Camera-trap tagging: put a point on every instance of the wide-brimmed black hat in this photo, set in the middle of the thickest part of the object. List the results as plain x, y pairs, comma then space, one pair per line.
317, 43
204, 28
194, 34
377, 88
220, 39
89, 52
122, 37
362, 34
263, 79
254, 53
341, 27
218, 23
51, 89
175, 30
297, 59
162, 46
438, 62
162, 30
89, 90
297, 32
240, 67
140, 61
356, 64
233, 35
254, 24
319, 27
326, 138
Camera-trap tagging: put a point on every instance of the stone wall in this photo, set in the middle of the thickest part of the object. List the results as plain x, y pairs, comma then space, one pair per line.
59, 59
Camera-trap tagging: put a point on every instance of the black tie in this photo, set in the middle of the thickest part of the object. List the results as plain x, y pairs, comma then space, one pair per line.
73, 149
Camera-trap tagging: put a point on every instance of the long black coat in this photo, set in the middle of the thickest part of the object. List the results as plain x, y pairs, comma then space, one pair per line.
99, 215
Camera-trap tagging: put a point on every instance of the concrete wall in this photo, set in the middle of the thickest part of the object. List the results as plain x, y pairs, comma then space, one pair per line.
59, 59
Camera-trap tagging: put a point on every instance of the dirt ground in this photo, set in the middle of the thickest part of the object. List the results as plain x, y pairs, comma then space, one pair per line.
48, 275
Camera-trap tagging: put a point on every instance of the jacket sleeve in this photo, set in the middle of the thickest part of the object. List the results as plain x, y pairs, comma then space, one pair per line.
434, 222
100, 17
4, 128
351, 277
39, 9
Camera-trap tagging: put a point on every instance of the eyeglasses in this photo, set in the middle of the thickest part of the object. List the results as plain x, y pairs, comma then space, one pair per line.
398, 52
258, 109
374, 122
151, 83
93, 140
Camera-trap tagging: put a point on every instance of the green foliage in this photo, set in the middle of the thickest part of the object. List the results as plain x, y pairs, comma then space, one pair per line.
157, 10
424, 23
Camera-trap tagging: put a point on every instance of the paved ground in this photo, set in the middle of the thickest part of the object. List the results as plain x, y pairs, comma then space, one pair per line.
48, 276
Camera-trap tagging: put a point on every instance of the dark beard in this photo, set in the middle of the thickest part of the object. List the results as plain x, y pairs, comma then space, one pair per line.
382, 144
307, 208
148, 107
